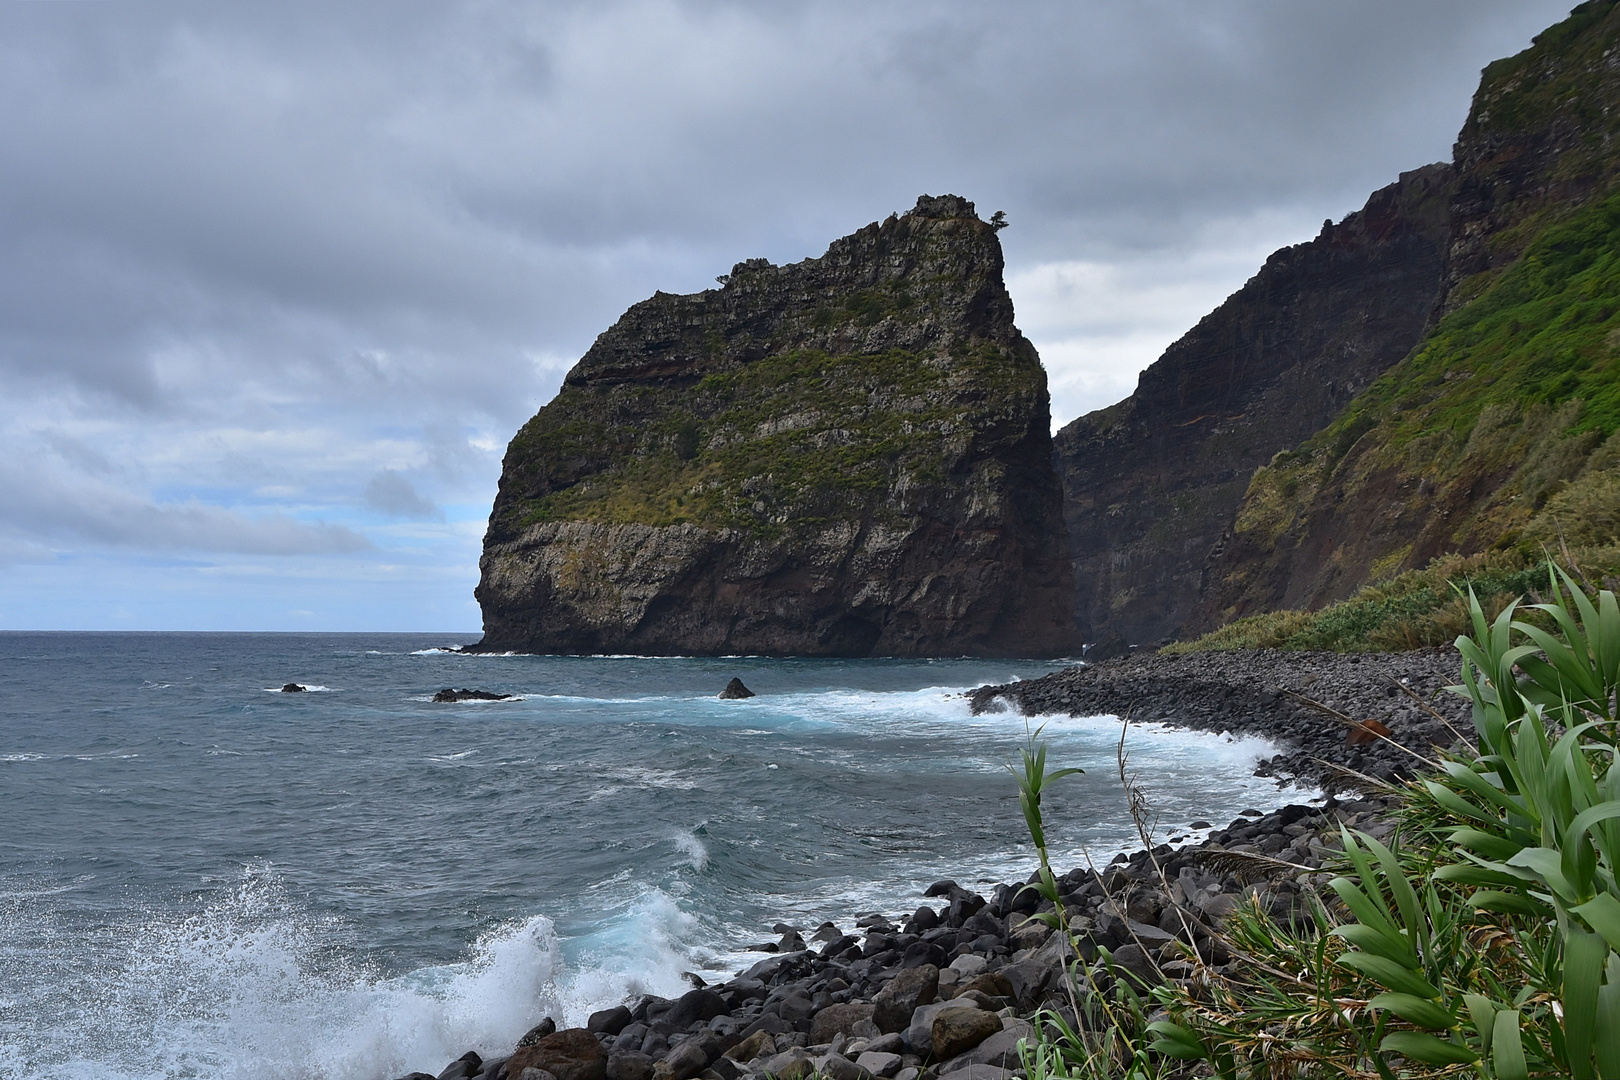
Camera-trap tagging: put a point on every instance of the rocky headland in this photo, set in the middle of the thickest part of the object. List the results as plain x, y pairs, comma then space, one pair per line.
949, 990
846, 456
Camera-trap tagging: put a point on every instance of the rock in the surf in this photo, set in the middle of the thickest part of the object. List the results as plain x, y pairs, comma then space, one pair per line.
447, 694
293, 688
735, 690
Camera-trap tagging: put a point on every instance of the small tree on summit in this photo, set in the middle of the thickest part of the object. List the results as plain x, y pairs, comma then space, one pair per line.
998, 220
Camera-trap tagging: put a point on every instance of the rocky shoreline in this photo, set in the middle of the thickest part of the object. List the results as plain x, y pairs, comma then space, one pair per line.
1307, 702
945, 992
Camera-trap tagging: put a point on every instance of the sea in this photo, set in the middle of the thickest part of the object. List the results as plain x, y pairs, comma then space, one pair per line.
204, 876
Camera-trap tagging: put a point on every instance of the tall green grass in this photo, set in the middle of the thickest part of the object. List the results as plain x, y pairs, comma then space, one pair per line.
1483, 940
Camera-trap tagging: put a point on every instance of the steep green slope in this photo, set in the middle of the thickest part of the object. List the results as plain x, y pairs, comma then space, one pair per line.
1492, 435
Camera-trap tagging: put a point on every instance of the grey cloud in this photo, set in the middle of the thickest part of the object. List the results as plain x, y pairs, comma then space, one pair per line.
390, 492
45, 512
357, 226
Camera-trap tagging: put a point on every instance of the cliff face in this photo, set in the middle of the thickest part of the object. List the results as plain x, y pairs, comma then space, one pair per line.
1151, 484
1491, 434
848, 456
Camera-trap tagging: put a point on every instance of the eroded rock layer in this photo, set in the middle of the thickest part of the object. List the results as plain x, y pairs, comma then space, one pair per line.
847, 456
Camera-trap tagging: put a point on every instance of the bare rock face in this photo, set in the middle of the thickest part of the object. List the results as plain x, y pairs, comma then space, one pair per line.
1470, 442
1151, 484
847, 456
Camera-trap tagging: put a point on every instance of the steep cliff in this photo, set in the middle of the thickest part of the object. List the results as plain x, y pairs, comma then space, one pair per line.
1151, 484
1492, 434
847, 456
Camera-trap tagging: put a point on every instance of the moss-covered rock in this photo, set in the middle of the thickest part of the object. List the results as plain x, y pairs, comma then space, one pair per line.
845, 456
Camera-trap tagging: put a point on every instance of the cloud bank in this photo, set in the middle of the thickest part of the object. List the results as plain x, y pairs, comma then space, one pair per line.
277, 282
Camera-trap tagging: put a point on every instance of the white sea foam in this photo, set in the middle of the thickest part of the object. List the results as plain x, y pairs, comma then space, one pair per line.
446, 759
690, 845
253, 987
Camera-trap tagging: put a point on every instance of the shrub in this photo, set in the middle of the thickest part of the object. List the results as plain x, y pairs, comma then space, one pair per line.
1484, 940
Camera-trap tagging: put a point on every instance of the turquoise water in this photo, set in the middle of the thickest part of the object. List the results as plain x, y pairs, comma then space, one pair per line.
202, 876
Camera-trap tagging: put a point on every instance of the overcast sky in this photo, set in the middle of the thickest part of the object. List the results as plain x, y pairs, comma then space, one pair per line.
279, 281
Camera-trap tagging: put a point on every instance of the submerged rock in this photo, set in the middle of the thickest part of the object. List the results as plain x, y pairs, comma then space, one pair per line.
294, 688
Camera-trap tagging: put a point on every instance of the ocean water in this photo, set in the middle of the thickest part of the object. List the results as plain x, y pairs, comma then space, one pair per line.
203, 877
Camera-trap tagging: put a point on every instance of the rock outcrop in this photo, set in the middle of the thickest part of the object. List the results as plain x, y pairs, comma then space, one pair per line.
847, 456
1151, 484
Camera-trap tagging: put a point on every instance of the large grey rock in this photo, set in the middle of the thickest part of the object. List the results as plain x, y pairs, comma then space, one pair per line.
770, 1023
752, 1046
837, 1020
980, 1072
901, 995
1028, 978
999, 1049
1135, 961
919, 1033
792, 1064
956, 1030
838, 1067
992, 984
629, 1065
796, 1006
696, 1005
608, 1021
683, 1062
467, 1065
880, 1063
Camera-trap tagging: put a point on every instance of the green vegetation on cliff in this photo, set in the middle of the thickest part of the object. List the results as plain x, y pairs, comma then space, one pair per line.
1544, 333
1417, 609
1494, 436
784, 441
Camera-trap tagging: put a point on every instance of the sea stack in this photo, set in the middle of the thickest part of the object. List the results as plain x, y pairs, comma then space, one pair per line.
846, 456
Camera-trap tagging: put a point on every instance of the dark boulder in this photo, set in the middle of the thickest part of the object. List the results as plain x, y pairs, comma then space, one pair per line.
735, 690
293, 688
695, 1005
608, 1021
837, 1020
449, 695
902, 994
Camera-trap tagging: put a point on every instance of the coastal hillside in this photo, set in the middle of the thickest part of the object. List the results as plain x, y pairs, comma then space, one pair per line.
846, 456
1434, 377
1152, 483
1496, 433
